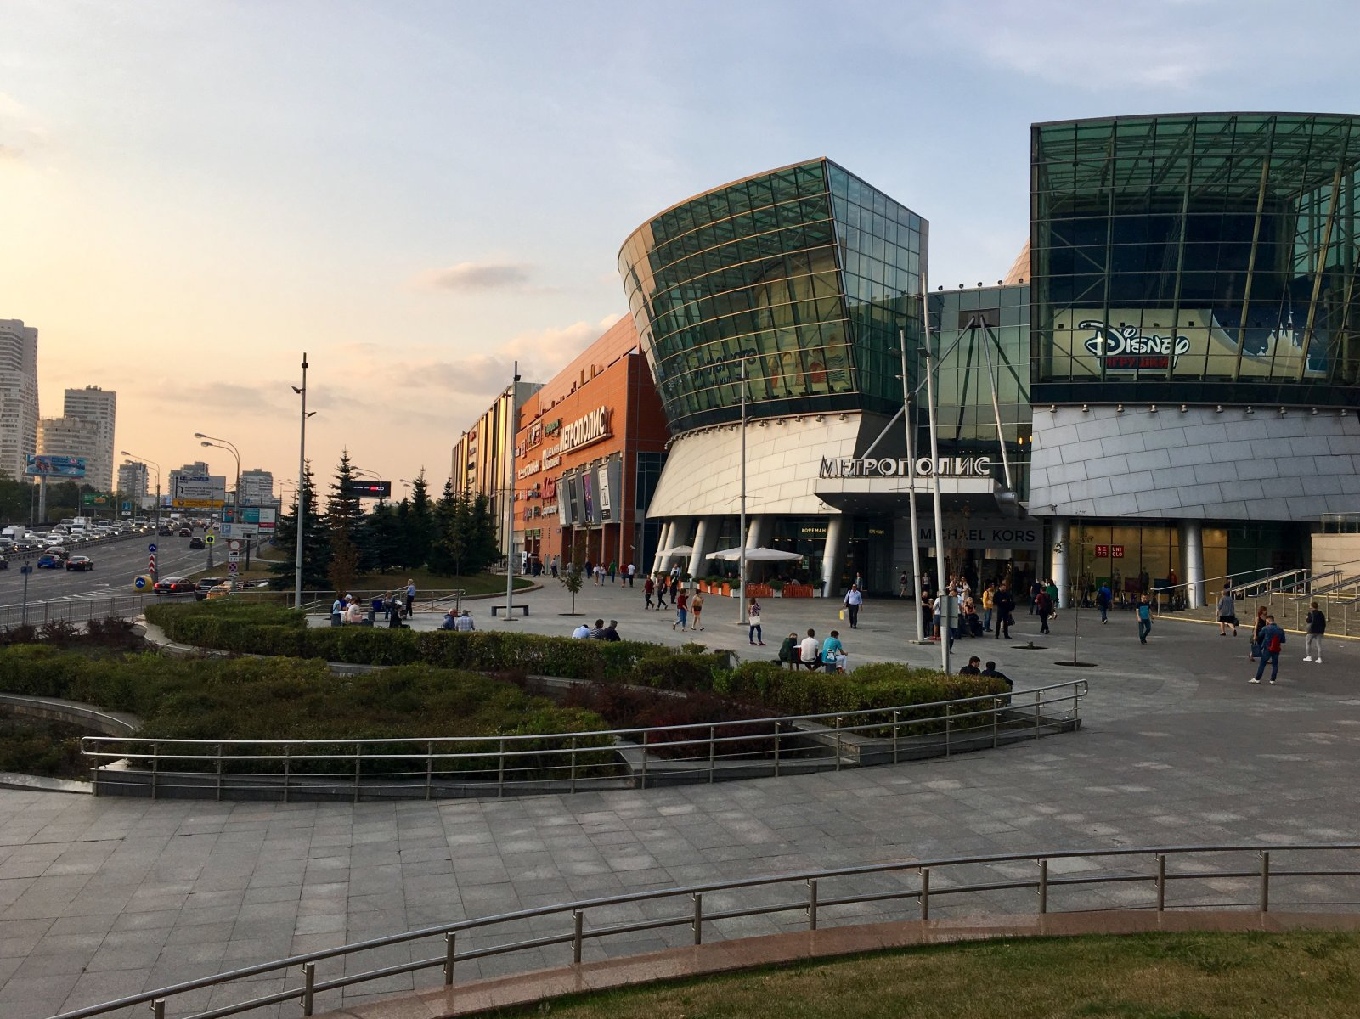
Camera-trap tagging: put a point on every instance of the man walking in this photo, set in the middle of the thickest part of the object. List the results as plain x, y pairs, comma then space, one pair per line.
1043, 608
1004, 603
410, 597
1317, 626
1272, 643
1103, 599
1144, 619
648, 586
853, 600
681, 610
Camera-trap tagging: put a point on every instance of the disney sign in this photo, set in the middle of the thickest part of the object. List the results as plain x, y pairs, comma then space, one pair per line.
1128, 348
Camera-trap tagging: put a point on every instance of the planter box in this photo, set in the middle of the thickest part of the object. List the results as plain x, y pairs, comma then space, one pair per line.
759, 591
798, 591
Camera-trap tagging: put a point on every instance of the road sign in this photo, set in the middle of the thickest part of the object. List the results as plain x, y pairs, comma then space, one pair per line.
151, 547
231, 567
26, 569
139, 583
235, 546
233, 557
210, 539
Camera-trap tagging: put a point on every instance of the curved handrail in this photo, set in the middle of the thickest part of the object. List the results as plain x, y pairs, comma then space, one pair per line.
923, 893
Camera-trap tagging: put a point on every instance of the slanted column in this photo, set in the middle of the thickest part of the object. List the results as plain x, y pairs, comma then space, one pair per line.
705, 534
1062, 539
1192, 540
833, 555
757, 532
663, 543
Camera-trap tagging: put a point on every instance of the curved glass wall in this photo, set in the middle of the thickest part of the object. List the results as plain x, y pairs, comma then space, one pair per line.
806, 273
1201, 256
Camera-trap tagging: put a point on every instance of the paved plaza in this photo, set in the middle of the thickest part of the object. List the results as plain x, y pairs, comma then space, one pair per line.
101, 898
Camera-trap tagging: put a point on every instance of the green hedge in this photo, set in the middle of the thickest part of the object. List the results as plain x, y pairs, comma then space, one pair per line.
874, 685
267, 630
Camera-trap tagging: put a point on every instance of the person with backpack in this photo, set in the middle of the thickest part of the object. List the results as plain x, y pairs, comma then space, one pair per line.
1144, 619
1317, 626
1272, 643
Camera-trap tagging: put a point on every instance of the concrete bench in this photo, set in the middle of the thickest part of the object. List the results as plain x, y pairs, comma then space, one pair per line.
495, 609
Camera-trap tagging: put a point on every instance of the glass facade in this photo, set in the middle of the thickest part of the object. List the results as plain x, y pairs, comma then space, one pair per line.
982, 343
1204, 257
806, 273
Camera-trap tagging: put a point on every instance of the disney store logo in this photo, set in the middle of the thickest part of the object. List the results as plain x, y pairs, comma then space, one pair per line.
1127, 347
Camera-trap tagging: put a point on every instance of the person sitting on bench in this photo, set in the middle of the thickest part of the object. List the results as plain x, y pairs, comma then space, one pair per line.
810, 651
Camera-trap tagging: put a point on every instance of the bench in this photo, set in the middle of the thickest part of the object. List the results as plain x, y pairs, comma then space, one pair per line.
495, 609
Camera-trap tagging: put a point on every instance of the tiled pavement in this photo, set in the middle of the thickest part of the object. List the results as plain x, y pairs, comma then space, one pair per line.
100, 898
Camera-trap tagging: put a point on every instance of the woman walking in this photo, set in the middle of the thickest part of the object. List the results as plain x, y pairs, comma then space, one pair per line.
696, 609
1261, 612
1227, 609
753, 633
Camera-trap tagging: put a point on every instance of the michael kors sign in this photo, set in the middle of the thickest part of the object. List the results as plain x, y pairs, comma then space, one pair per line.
890, 467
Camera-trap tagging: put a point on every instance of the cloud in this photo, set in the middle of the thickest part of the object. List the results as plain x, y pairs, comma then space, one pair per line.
8, 153
476, 277
1083, 46
21, 130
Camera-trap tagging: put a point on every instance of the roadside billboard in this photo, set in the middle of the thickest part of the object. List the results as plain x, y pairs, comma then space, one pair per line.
44, 466
199, 491
254, 520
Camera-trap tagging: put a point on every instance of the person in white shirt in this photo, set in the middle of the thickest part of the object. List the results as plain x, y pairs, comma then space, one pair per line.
809, 651
464, 622
581, 632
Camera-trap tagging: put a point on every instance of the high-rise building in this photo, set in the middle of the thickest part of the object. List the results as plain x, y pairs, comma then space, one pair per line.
257, 487
73, 437
18, 395
97, 407
133, 481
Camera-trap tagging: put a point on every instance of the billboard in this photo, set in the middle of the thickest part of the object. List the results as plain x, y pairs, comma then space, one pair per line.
45, 466
254, 519
199, 491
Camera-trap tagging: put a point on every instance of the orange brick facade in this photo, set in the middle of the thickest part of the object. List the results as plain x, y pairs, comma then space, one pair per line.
599, 425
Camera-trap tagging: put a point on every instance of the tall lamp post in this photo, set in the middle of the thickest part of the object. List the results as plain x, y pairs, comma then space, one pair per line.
216, 443
156, 517
301, 486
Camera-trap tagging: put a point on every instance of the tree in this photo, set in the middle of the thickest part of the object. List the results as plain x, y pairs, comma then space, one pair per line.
571, 580
421, 527
316, 546
344, 566
382, 544
447, 548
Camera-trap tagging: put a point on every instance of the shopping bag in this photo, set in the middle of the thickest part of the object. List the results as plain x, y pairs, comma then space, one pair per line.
841, 614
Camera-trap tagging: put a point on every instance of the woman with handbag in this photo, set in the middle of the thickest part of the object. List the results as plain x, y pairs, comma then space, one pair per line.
753, 633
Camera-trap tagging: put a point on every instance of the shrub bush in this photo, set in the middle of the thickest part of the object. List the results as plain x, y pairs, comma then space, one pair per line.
874, 685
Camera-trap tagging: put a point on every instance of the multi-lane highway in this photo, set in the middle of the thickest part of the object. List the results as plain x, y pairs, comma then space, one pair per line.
117, 562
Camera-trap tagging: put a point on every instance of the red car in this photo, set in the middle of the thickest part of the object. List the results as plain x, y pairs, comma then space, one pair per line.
80, 562
175, 585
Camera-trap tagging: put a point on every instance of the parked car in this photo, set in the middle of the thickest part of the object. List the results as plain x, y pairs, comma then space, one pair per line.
222, 590
174, 585
204, 585
196, 542
52, 559
80, 562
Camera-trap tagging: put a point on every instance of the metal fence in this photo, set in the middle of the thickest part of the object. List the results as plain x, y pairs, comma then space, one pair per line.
73, 610
1299, 877
497, 766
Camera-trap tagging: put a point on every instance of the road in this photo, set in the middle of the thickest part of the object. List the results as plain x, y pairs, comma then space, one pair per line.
116, 563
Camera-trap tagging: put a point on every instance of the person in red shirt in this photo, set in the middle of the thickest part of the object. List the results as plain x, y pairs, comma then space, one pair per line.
681, 610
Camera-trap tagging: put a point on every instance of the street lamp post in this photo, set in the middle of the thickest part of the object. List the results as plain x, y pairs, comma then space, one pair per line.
216, 443
156, 517
301, 486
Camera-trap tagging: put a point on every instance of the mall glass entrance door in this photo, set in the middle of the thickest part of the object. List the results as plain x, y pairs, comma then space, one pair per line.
869, 557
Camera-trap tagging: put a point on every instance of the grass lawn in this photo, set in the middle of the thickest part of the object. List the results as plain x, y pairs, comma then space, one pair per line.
1142, 976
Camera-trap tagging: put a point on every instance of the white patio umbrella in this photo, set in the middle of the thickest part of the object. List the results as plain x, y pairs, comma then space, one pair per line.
755, 555
678, 550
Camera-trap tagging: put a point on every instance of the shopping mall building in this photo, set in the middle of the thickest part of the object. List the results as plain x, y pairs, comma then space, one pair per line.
1165, 386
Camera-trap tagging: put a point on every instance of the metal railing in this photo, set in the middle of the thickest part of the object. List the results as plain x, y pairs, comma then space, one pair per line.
497, 766
426, 600
72, 610
1319, 877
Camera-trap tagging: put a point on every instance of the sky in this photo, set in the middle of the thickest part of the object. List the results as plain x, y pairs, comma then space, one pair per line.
420, 194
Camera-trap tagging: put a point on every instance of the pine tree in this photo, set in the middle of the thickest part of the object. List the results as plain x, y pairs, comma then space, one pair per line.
446, 549
316, 549
421, 533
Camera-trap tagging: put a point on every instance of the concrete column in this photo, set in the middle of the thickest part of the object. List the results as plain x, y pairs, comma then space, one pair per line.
1193, 544
1062, 538
704, 536
664, 542
757, 531
833, 555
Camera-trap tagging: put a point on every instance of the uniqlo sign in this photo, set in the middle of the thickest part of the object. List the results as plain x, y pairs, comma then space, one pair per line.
1116, 551
1102, 551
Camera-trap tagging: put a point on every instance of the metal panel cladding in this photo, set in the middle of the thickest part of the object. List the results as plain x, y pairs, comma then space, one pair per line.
806, 272
1200, 256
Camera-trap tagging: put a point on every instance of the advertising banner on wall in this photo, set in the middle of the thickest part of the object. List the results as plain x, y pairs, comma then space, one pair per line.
1204, 342
45, 466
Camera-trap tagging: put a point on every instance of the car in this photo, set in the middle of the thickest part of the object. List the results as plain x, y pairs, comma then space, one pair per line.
165, 532
52, 559
174, 585
80, 562
204, 585
4, 562
196, 542
222, 590
186, 532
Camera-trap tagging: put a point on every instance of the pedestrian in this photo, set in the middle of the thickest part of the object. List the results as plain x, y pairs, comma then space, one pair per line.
809, 652
632, 573
903, 584
753, 632
1317, 626
1260, 624
788, 651
854, 598
450, 621
989, 671
1051, 589
611, 632
395, 601
1144, 619
337, 611
696, 608
1104, 598
556, 562
1005, 605
613, 569
1272, 643
661, 592
1034, 590
988, 603
833, 653
973, 668
1043, 608
675, 584
410, 596
681, 610
648, 586
1227, 611
464, 622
